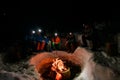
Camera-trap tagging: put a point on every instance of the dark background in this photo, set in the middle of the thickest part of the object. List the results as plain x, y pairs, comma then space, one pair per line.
16, 20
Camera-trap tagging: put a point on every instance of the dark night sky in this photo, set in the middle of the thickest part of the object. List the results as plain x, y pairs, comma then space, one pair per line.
52, 16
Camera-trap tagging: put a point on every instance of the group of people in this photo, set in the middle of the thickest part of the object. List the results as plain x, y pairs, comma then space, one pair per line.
47, 42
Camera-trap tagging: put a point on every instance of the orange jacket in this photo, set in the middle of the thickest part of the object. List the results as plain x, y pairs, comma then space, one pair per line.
56, 40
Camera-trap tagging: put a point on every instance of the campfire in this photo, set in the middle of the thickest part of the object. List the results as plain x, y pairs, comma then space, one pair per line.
52, 66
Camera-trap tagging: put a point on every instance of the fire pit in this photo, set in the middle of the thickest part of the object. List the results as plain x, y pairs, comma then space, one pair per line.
58, 66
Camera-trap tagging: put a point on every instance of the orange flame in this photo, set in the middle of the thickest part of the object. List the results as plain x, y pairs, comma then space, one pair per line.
58, 65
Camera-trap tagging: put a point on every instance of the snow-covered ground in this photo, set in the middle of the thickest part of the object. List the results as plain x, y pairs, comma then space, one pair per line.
20, 70
94, 66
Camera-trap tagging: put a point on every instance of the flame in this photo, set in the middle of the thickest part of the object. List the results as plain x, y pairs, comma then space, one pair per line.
58, 65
